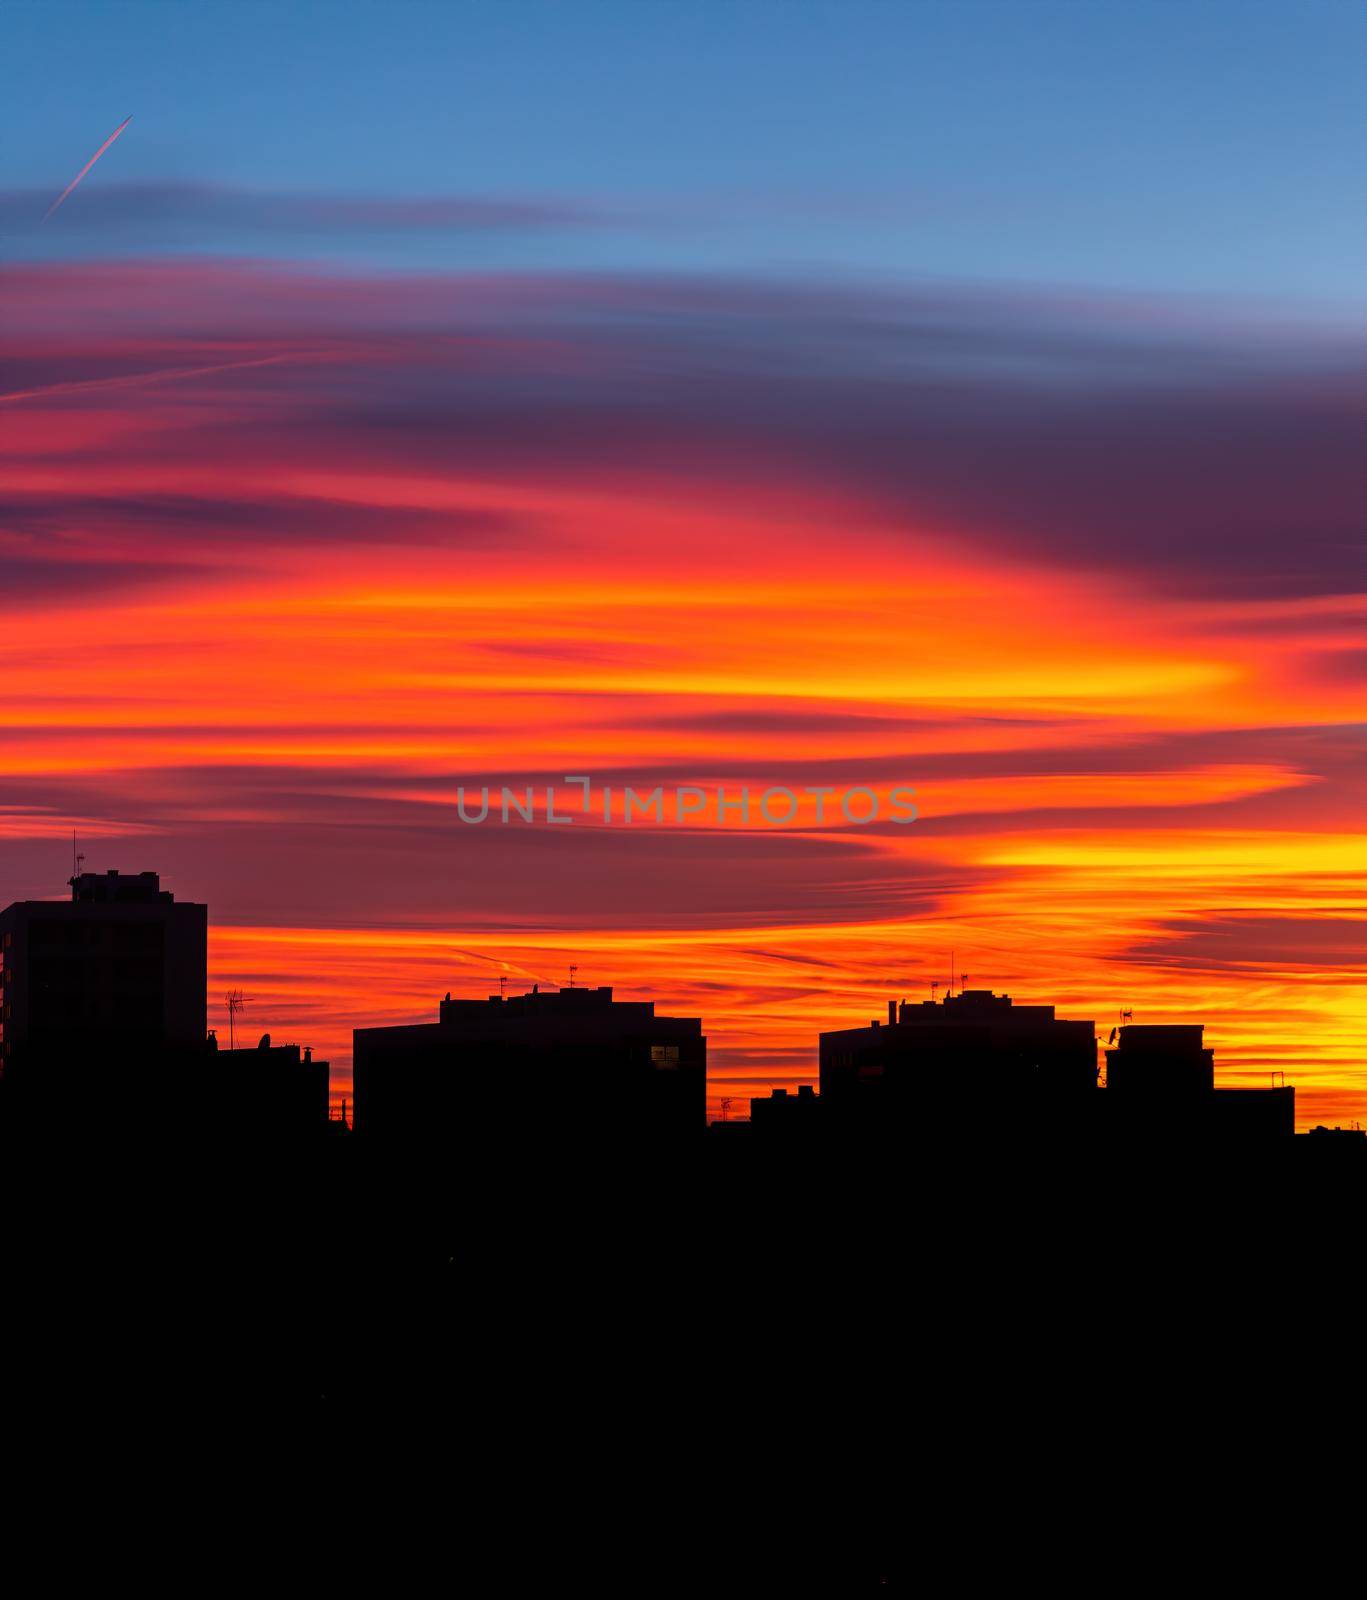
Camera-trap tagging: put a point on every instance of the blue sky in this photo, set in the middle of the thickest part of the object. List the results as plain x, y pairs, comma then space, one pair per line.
1206, 146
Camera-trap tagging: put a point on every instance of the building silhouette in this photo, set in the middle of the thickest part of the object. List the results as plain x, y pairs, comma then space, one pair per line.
103, 1011
1165, 1061
974, 1059
976, 1062
104, 1003
1160, 1085
551, 1066
120, 966
787, 1117
270, 1093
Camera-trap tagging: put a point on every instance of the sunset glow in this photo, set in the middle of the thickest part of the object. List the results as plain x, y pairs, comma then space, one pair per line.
275, 593
965, 398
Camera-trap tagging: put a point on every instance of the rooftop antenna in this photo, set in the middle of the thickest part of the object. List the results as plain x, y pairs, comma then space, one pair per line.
503, 985
934, 989
573, 970
77, 859
725, 1107
951, 972
235, 1000
1125, 1016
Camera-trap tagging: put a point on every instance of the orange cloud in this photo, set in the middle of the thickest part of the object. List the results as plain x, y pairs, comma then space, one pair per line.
255, 632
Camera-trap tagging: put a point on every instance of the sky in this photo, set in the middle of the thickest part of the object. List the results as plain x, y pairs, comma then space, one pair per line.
964, 396
1209, 147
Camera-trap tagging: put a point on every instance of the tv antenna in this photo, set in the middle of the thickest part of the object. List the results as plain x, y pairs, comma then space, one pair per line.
1125, 1016
573, 970
725, 1108
235, 1000
77, 859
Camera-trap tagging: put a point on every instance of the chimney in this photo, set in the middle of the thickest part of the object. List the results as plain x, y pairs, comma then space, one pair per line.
892, 1012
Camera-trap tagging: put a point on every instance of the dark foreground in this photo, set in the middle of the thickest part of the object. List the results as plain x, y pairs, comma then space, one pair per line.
724, 1369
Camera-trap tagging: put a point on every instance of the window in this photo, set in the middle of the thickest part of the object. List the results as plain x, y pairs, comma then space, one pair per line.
664, 1055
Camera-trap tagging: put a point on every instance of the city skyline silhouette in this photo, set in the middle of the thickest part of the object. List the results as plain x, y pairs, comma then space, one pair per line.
931, 433
406, 967
112, 985
411, 1262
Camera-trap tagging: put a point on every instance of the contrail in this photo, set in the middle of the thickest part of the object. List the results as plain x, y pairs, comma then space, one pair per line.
86, 168
132, 380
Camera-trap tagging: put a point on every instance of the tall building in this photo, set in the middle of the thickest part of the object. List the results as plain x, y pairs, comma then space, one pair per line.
1166, 1061
118, 971
1160, 1084
977, 1065
550, 1067
103, 1011
971, 1061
